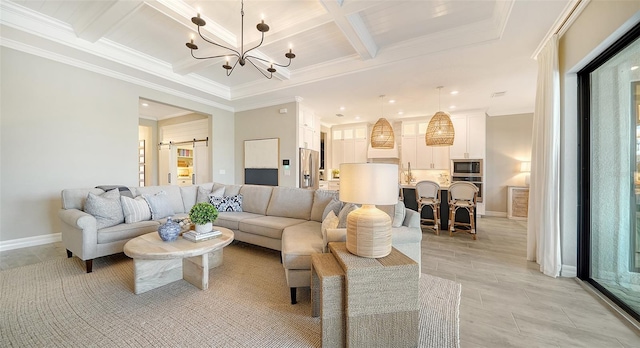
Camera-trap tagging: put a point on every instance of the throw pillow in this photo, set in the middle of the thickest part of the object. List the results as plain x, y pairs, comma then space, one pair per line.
227, 203
335, 205
342, 217
330, 222
159, 204
398, 218
135, 210
106, 208
203, 193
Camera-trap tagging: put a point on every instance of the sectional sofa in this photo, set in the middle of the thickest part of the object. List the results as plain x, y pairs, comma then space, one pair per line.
280, 218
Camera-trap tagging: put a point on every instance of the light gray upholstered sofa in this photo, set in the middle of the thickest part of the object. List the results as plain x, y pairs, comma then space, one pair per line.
280, 218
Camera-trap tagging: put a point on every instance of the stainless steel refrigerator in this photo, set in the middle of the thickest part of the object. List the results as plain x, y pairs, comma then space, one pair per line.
309, 169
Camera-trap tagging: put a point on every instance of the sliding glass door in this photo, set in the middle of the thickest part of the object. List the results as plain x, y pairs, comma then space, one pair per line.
609, 255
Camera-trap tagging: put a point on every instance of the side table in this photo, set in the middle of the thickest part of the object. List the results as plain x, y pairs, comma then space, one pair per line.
327, 287
381, 299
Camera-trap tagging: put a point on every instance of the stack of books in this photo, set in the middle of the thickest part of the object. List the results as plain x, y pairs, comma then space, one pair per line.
200, 236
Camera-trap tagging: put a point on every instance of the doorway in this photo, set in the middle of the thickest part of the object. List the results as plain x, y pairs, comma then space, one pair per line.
177, 150
609, 235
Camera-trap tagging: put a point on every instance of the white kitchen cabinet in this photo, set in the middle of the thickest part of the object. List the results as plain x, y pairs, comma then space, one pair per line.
470, 138
308, 130
349, 144
416, 151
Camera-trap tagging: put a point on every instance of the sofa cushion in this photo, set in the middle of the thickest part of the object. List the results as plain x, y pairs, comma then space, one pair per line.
126, 231
227, 203
230, 190
204, 193
174, 193
330, 222
189, 194
299, 242
335, 206
106, 208
231, 220
342, 217
75, 198
255, 198
135, 210
159, 204
268, 226
396, 212
291, 202
320, 200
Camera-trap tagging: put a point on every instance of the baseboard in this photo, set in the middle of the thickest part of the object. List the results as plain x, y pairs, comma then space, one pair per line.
30, 241
569, 271
495, 213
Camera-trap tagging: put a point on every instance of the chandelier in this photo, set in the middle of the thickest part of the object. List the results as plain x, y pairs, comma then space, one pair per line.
382, 136
440, 130
241, 57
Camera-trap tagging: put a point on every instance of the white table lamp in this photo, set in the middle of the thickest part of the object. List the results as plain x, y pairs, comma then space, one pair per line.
525, 167
369, 228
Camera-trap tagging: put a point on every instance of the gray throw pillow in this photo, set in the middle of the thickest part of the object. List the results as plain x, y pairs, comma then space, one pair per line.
106, 208
342, 217
335, 205
159, 204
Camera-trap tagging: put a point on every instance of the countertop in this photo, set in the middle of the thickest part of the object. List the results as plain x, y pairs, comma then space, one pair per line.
413, 186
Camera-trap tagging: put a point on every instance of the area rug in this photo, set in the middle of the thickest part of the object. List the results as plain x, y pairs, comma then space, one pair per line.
57, 304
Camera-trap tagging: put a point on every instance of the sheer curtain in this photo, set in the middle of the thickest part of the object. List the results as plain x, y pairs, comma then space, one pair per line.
543, 227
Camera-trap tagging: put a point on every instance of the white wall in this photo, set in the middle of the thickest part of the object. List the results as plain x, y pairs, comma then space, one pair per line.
266, 123
64, 127
597, 27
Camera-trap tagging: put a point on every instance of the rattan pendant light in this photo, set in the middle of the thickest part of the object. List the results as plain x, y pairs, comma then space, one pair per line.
382, 133
440, 130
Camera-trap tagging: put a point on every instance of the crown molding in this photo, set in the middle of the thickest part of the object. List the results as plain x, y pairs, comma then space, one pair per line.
569, 15
37, 51
272, 102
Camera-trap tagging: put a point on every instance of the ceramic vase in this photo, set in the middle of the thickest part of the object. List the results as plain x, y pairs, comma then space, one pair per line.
204, 228
169, 231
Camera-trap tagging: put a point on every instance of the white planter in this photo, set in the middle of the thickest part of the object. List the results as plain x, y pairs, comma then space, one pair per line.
204, 228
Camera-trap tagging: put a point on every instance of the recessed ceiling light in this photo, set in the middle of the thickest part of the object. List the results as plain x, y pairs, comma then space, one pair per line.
452, 107
145, 104
392, 101
454, 92
357, 117
634, 67
342, 108
400, 113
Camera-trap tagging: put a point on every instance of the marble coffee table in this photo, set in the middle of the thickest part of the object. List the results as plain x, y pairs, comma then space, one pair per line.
157, 263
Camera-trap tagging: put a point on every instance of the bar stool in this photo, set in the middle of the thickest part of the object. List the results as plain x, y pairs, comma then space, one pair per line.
462, 195
428, 194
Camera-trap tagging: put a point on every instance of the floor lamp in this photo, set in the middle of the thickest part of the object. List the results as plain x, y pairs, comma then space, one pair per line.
369, 228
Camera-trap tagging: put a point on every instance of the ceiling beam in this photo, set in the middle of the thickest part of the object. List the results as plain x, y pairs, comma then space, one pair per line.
352, 26
94, 28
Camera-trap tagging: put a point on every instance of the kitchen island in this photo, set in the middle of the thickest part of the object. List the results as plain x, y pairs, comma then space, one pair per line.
409, 197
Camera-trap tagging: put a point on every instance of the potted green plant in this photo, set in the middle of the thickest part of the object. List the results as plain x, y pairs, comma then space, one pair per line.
203, 215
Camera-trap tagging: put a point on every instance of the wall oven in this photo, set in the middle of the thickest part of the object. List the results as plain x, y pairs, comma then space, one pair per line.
476, 180
466, 167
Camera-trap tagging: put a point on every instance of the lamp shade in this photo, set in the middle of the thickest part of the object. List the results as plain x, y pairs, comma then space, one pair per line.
440, 130
369, 183
382, 136
525, 167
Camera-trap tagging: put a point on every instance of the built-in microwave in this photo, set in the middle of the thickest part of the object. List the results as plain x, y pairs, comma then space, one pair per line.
466, 167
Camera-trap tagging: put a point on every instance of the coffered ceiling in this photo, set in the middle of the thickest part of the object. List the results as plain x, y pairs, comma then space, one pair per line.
348, 52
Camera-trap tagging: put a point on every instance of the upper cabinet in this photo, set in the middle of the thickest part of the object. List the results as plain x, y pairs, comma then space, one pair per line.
416, 151
349, 144
470, 138
308, 130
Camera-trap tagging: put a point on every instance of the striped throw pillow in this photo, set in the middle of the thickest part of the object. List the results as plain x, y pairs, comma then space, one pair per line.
135, 210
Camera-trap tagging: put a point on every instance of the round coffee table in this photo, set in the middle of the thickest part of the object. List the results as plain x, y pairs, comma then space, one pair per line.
157, 263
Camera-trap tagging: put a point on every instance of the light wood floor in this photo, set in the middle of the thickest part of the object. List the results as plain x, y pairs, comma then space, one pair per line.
506, 301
